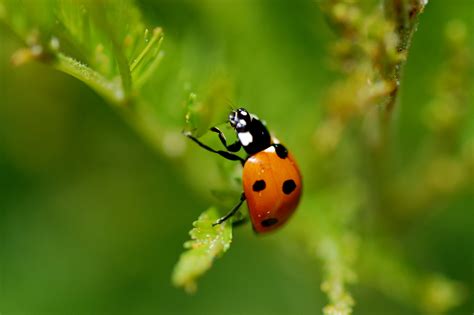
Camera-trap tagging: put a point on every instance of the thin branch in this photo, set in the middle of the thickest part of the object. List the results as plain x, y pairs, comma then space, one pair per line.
112, 92
404, 14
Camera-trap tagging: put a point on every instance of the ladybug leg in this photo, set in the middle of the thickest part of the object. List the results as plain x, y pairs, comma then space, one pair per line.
231, 212
234, 147
224, 154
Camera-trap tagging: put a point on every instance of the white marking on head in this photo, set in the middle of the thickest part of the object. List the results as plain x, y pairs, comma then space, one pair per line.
245, 138
243, 113
242, 123
270, 149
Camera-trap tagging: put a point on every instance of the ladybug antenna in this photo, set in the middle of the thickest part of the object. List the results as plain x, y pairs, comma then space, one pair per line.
230, 104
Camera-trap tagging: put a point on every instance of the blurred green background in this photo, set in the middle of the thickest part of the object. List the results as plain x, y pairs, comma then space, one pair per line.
93, 216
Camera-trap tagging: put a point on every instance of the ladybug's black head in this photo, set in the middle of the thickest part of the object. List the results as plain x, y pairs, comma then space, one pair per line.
252, 133
240, 119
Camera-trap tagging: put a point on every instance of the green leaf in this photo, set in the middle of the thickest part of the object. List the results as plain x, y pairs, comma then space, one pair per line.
207, 243
82, 39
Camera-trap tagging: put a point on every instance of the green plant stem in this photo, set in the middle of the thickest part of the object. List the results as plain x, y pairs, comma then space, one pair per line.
404, 13
112, 92
156, 38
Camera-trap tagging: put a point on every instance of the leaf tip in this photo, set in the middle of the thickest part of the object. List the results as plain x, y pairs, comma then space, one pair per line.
207, 243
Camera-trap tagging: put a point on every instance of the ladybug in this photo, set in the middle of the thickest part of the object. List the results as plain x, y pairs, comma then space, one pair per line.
271, 179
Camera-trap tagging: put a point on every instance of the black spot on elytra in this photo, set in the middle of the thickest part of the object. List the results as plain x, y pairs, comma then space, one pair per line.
259, 185
281, 151
288, 186
269, 222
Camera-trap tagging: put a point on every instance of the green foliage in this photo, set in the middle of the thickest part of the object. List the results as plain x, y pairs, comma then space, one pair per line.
113, 60
207, 243
370, 52
331, 238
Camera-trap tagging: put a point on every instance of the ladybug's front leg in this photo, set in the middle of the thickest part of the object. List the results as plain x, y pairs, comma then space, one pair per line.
225, 154
234, 147
231, 212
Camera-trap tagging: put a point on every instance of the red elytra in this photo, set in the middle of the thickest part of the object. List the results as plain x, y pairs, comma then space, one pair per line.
272, 187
